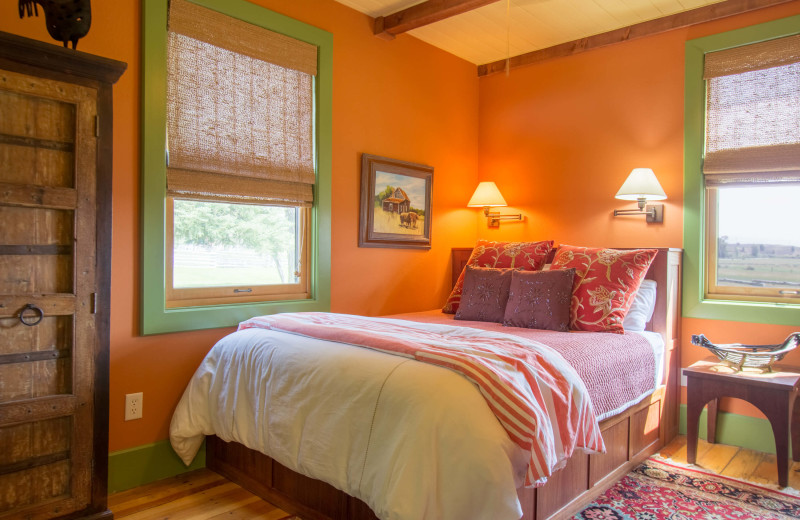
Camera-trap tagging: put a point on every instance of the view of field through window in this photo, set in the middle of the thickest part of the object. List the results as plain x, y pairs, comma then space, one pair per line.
758, 237
220, 244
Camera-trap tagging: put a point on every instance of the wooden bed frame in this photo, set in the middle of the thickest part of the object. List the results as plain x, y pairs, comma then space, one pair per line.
630, 437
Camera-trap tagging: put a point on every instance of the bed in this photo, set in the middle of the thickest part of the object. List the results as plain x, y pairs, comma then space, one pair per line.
493, 465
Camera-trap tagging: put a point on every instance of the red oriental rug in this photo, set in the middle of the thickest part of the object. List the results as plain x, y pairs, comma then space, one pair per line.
657, 490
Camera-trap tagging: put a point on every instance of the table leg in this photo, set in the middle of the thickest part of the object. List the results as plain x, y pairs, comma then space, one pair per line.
795, 425
781, 430
776, 406
711, 421
693, 408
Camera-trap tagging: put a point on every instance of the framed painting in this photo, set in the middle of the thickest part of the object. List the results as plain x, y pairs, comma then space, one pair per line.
395, 203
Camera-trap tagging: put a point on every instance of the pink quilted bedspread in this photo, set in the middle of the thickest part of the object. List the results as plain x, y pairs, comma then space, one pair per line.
617, 369
537, 398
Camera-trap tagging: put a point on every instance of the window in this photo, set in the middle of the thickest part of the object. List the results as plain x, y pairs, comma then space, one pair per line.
237, 219
226, 253
742, 174
752, 170
753, 243
240, 173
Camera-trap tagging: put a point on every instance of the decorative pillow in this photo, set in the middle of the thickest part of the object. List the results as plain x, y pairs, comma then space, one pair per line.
644, 303
605, 283
485, 294
529, 256
540, 299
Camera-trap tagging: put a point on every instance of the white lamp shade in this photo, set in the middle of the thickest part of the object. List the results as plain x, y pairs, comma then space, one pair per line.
486, 194
641, 184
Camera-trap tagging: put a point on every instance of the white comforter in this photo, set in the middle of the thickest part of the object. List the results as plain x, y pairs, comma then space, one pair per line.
403, 436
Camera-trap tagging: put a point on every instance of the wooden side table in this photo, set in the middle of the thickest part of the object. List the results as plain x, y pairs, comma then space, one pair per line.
774, 393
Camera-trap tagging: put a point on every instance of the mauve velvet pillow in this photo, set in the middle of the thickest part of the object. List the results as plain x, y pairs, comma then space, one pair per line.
485, 293
540, 300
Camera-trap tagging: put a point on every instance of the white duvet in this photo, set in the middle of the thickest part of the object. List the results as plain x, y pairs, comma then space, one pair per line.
412, 440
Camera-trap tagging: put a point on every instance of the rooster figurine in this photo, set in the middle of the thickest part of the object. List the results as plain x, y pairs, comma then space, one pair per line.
67, 20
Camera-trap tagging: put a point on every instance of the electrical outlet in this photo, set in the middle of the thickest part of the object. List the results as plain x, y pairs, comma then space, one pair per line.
133, 406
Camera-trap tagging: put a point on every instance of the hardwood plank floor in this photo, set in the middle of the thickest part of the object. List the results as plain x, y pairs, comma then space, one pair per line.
731, 461
197, 495
204, 495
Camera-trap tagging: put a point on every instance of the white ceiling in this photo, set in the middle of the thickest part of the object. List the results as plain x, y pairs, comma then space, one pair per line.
497, 31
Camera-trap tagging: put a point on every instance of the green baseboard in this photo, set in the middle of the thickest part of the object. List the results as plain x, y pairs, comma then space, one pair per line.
744, 431
144, 464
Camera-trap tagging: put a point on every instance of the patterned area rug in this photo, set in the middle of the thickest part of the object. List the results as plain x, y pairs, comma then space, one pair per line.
661, 491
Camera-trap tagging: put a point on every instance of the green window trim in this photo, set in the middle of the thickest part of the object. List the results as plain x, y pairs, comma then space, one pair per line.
155, 317
695, 305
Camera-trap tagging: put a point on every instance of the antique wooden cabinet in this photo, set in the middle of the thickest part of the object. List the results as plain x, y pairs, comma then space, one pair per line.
55, 253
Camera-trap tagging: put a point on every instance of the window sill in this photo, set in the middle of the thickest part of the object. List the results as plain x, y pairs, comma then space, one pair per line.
213, 317
750, 312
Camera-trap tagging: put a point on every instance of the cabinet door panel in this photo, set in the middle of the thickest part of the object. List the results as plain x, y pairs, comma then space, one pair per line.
47, 261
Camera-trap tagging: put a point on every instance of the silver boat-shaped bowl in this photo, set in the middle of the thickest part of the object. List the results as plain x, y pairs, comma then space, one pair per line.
739, 356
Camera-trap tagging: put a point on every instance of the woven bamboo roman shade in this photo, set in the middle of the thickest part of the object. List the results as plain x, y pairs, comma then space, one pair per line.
239, 112
753, 113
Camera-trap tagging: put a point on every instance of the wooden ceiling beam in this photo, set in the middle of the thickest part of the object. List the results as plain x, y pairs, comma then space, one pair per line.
676, 21
389, 26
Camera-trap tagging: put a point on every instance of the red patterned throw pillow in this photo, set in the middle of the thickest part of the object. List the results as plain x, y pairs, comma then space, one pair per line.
528, 256
605, 284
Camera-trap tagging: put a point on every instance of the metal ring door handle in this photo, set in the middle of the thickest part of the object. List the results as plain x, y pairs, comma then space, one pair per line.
31, 319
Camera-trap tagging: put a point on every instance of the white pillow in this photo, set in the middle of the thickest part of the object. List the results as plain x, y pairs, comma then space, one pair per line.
642, 308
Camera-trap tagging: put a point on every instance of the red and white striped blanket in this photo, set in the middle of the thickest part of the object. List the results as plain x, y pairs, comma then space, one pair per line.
536, 396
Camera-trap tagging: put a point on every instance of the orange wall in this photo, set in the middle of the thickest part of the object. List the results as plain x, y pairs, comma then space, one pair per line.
561, 136
401, 99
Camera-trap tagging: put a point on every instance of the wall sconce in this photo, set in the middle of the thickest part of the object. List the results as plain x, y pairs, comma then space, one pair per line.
486, 196
641, 186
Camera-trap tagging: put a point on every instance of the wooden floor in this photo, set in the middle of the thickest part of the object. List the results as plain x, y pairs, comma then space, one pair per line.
200, 494
203, 495
732, 461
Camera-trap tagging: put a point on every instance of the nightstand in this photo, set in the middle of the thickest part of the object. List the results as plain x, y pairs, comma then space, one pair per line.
774, 393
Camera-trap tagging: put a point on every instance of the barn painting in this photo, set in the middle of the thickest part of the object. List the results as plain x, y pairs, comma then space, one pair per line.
395, 203
398, 203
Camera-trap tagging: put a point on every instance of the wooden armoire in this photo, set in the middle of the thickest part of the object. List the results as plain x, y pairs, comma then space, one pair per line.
55, 255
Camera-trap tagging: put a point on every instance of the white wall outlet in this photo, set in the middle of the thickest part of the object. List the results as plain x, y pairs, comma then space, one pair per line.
133, 406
